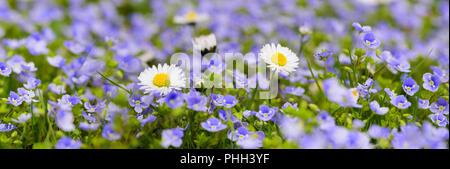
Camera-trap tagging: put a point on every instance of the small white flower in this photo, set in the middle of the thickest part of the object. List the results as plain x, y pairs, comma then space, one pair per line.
191, 18
304, 30
162, 78
203, 43
279, 58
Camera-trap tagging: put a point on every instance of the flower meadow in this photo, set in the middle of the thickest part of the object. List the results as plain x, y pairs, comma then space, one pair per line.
234, 74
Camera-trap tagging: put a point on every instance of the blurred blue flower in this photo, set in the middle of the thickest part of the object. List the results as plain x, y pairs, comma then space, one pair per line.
323, 54
374, 106
410, 86
431, 82
5, 70
22, 118
265, 113
370, 41
14, 99
64, 120
174, 99
409, 137
213, 125
424, 104
32, 83
109, 132
138, 103
172, 137
360, 28
439, 119
297, 91
439, 107
57, 61
6, 127
196, 101
225, 114
442, 73
27, 95
229, 101
68, 143
376, 131
74, 47
400, 102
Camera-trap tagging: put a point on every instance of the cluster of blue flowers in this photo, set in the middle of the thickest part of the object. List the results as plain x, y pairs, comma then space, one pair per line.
83, 74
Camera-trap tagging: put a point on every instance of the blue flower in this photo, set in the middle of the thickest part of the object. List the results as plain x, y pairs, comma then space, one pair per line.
138, 103
370, 41
229, 101
6, 127
14, 99
265, 113
368, 83
431, 82
439, 107
213, 125
360, 28
341, 95
248, 113
323, 54
439, 119
224, 115
129, 64
390, 92
374, 106
444, 76
400, 102
27, 95
5, 70
88, 126
93, 108
357, 124
22, 118
174, 99
287, 104
376, 131
74, 47
217, 99
297, 91
109, 132
57, 61
172, 137
57, 89
395, 65
409, 137
196, 102
32, 83
150, 118
325, 120
67, 143
410, 86
64, 120
291, 128
424, 104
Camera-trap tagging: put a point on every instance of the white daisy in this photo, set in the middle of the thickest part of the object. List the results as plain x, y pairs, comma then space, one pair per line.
205, 43
191, 18
279, 58
162, 78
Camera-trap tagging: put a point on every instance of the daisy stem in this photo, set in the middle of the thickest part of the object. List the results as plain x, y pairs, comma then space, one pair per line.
115, 84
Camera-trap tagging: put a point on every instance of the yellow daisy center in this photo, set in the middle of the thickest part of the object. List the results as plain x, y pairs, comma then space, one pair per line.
191, 15
279, 59
161, 80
